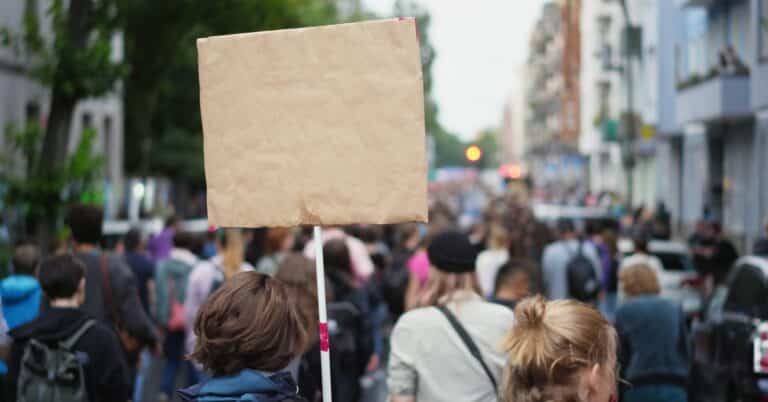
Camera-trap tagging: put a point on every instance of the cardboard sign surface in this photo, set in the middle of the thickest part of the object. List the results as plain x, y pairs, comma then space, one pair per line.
321, 125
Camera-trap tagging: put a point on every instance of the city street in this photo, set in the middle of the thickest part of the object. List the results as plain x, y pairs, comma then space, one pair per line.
386, 200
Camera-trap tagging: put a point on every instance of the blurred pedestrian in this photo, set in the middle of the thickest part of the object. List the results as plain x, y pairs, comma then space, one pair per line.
397, 275
513, 282
641, 256
172, 278
160, 245
144, 271
418, 274
21, 292
143, 268
297, 274
247, 353
279, 242
432, 356
490, 260
570, 252
67, 339
362, 265
761, 244
724, 255
342, 288
111, 294
561, 350
207, 276
662, 222
653, 347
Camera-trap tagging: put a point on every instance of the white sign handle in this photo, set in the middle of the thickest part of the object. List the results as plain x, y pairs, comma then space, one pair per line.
325, 343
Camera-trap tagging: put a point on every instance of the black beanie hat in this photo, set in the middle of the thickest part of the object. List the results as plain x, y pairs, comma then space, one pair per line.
452, 252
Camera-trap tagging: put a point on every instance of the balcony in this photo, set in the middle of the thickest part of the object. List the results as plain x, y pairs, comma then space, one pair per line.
720, 97
694, 3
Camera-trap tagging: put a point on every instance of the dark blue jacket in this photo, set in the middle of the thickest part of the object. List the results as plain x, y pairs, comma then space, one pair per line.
653, 347
246, 386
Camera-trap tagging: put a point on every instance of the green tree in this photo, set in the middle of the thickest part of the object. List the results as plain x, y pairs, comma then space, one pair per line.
449, 149
162, 113
75, 61
487, 141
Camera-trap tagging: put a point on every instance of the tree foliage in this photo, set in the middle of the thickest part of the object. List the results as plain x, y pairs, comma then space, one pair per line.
162, 113
449, 149
67, 47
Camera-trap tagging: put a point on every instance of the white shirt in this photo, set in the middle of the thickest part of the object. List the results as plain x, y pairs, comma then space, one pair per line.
487, 266
429, 361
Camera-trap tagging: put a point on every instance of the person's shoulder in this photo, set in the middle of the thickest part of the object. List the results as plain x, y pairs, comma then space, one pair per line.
418, 318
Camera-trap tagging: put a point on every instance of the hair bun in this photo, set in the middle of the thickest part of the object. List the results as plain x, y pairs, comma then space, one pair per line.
530, 312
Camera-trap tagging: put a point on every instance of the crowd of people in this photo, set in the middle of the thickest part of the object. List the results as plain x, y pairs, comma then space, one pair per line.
508, 308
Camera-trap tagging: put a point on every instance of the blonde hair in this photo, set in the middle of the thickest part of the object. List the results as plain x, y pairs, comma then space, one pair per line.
232, 251
639, 279
498, 237
549, 347
442, 284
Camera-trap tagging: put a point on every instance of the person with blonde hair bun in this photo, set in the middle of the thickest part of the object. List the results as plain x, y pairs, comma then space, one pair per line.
560, 351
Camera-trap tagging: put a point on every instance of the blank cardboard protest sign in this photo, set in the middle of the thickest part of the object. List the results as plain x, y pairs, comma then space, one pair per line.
321, 125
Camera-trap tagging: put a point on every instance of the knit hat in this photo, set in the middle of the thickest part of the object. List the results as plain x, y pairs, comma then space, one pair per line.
452, 252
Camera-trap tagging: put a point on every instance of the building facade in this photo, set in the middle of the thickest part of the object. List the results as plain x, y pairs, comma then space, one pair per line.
552, 124
601, 95
512, 133
25, 99
721, 107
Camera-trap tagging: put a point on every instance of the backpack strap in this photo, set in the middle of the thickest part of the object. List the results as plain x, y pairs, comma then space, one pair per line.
70, 342
467, 339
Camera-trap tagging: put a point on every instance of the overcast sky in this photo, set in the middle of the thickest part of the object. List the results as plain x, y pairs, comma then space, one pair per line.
479, 45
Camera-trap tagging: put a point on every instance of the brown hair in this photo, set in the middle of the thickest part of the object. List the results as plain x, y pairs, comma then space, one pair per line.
498, 237
275, 239
297, 273
639, 279
249, 322
550, 346
442, 284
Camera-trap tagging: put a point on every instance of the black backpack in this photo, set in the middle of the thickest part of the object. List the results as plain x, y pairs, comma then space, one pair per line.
583, 284
53, 372
345, 330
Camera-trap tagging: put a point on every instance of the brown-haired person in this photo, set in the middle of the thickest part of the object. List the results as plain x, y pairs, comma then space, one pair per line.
248, 331
297, 273
560, 350
652, 334
431, 355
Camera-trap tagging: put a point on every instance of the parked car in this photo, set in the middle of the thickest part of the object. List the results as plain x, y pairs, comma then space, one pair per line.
730, 343
679, 281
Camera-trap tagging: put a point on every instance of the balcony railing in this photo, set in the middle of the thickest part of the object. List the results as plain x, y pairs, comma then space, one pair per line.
724, 96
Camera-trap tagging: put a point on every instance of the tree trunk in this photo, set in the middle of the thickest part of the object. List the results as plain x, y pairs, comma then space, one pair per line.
55, 147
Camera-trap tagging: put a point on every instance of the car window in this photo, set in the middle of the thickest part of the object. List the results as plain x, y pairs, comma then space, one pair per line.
748, 293
675, 261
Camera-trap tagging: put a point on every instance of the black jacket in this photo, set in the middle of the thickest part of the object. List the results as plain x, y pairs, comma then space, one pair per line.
106, 373
124, 295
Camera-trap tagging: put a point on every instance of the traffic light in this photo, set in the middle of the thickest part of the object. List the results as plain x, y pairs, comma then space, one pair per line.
473, 153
